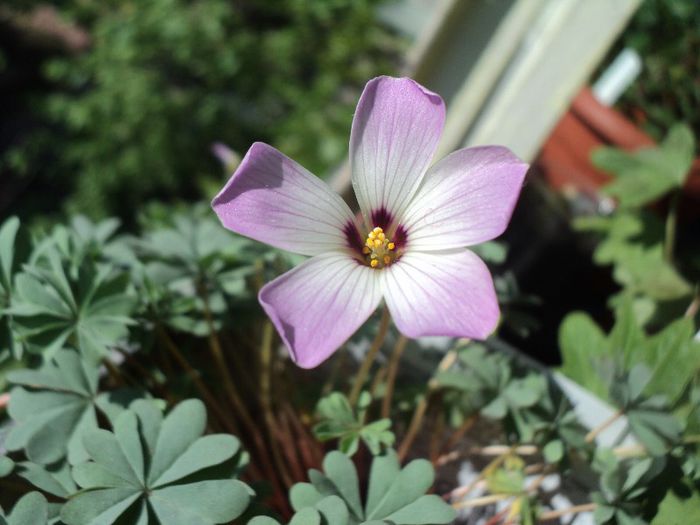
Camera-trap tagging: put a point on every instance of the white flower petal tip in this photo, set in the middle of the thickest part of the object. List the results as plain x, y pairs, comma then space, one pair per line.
395, 132
466, 198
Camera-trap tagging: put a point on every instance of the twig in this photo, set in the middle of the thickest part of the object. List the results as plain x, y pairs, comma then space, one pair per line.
422, 406
576, 509
392, 370
460, 492
369, 358
4, 401
605, 424
498, 450
482, 501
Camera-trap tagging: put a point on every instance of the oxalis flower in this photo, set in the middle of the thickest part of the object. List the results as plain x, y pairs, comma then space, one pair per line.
409, 246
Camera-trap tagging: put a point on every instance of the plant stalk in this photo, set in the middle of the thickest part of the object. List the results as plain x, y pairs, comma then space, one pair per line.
605, 424
422, 406
369, 358
392, 371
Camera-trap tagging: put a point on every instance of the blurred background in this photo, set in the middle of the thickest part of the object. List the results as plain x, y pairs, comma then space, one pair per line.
111, 105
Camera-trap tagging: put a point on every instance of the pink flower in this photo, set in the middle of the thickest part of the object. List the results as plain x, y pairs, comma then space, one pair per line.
409, 248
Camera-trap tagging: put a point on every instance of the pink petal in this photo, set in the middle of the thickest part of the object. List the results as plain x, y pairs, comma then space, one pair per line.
319, 304
395, 131
447, 293
466, 198
272, 199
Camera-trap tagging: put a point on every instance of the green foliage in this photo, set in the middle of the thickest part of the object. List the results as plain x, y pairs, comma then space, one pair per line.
394, 495
54, 406
59, 301
184, 260
493, 385
647, 174
338, 420
666, 35
593, 359
641, 246
624, 487
32, 509
198, 72
161, 465
8, 265
680, 506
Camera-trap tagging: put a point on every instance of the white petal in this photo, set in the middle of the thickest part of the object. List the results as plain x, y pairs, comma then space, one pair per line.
466, 198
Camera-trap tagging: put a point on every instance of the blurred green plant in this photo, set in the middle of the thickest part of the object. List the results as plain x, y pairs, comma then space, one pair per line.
165, 79
666, 33
640, 245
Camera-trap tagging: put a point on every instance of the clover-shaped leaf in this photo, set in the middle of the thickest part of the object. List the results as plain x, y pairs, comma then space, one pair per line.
53, 406
150, 465
339, 420
394, 496
53, 303
31, 509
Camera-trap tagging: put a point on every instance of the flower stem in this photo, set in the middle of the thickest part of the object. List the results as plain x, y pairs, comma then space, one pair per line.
206, 394
393, 369
266, 400
605, 424
422, 406
369, 358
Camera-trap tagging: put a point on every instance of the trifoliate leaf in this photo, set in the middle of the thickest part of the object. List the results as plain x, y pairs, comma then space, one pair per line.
394, 495
339, 421
162, 466
54, 406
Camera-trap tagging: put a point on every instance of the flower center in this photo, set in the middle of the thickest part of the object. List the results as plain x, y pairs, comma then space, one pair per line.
378, 249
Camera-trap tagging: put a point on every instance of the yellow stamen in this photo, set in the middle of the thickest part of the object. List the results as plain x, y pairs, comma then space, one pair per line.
378, 249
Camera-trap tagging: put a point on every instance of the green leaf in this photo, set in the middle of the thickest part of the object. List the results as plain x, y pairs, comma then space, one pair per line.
584, 349
648, 174
53, 407
52, 304
679, 507
54, 479
394, 495
31, 509
164, 462
338, 420
6, 466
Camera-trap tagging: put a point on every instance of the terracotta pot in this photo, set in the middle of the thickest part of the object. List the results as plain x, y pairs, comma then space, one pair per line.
565, 157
